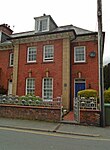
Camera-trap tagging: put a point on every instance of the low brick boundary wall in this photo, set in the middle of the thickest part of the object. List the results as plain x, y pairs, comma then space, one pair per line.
90, 117
30, 112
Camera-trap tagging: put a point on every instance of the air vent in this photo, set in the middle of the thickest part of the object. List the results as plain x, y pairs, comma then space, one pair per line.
92, 54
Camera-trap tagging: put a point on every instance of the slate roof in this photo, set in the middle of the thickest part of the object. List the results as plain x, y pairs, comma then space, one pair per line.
77, 30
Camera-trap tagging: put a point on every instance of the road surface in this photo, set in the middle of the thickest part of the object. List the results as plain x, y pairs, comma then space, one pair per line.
15, 139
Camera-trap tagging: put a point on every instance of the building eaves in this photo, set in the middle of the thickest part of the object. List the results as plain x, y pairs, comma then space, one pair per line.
77, 31
22, 34
6, 43
32, 33
93, 33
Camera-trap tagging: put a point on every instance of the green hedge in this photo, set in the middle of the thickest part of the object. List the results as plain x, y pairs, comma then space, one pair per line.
28, 97
29, 100
88, 93
107, 96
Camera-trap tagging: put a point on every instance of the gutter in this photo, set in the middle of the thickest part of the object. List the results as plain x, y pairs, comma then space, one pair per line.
40, 34
85, 34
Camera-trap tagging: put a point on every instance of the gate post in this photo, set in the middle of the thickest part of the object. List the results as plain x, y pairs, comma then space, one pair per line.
77, 109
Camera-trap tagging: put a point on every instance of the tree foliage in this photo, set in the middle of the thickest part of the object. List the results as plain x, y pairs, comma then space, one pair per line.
107, 96
107, 76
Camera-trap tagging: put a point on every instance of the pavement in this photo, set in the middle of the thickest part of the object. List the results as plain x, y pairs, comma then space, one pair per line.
62, 128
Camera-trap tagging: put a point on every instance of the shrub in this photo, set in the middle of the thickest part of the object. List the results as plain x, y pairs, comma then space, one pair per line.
107, 96
88, 93
29, 100
28, 97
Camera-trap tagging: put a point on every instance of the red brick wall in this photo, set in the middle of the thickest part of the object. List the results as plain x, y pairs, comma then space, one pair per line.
6, 71
39, 68
89, 69
29, 112
90, 117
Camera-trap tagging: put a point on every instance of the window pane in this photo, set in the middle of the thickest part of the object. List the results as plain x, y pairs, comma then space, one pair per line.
44, 24
31, 54
79, 54
48, 53
30, 86
47, 88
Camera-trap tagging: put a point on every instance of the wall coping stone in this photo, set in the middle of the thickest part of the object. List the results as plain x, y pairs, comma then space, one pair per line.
33, 107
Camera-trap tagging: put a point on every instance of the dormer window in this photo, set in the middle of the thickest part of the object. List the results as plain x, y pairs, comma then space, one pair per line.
42, 25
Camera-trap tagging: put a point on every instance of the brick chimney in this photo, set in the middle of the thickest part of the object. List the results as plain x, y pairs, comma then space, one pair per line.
6, 29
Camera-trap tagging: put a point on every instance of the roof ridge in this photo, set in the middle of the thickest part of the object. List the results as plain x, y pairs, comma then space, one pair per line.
65, 25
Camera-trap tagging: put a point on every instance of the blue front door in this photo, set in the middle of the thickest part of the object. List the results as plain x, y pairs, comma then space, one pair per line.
78, 87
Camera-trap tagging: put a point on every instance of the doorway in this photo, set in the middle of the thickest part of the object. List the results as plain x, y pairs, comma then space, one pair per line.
79, 84
10, 87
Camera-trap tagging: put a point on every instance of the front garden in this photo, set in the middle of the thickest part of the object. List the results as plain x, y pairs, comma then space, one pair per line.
30, 107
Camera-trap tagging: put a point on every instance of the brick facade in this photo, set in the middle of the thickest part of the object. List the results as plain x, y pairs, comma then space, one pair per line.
6, 70
38, 68
88, 69
63, 70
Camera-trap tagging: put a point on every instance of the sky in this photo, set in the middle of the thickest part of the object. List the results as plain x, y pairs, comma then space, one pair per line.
19, 14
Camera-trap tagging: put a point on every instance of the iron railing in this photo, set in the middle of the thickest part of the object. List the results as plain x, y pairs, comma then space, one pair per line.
88, 103
16, 100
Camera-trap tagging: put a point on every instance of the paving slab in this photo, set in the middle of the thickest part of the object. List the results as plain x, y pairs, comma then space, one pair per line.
28, 124
85, 130
56, 127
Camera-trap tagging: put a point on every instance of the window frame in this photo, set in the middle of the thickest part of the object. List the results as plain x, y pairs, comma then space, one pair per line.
79, 61
44, 98
11, 60
39, 27
32, 88
31, 61
49, 59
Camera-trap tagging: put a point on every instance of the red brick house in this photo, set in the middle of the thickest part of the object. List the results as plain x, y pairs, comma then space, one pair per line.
49, 61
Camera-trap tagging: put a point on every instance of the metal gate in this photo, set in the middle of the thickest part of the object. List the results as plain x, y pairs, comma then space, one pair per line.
76, 110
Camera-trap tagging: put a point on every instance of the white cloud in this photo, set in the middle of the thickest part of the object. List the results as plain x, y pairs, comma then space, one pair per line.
81, 13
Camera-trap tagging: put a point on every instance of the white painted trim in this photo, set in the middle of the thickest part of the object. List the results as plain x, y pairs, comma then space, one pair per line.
26, 85
51, 60
84, 55
43, 88
28, 55
37, 24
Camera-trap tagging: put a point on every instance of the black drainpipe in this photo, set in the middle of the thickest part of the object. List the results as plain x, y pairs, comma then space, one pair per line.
71, 103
